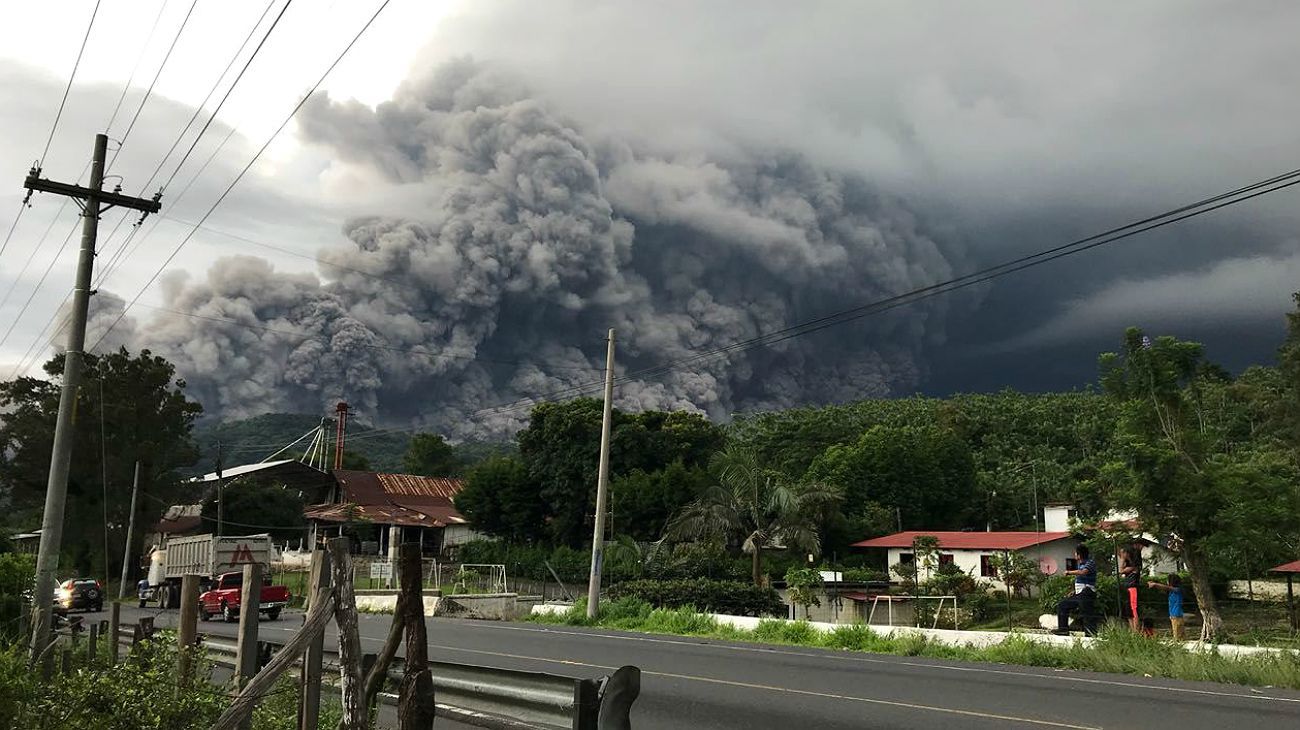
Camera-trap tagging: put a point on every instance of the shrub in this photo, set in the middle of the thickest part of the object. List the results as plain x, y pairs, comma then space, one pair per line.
728, 597
17, 574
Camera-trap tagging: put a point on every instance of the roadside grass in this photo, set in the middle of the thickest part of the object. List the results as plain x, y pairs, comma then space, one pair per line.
1116, 650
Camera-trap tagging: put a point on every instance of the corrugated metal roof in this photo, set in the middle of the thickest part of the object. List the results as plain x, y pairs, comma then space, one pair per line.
400, 499
1291, 567
381, 514
411, 485
968, 540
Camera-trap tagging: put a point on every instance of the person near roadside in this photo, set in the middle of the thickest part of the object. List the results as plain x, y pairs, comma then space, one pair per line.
1130, 573
1083, 597
1173, 585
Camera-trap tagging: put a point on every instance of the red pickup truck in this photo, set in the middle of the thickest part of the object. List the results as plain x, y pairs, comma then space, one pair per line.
226, 593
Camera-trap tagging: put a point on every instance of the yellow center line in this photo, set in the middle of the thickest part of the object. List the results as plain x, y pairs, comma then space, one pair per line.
787, 690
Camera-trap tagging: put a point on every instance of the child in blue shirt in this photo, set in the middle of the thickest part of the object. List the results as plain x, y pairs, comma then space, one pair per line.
1174, 587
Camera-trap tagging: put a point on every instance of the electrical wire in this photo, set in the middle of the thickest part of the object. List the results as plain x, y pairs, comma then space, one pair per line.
138, 59
62, 103
203, 219
1113, 235
22, 206
123, 247
37, 288
212, 117
149, 91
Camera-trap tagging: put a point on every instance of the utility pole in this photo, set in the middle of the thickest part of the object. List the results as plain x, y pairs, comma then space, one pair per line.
221, 491
341, 423
93, 201
602, 486
130, 531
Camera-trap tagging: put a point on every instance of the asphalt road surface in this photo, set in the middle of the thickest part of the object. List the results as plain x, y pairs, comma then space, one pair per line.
699, 683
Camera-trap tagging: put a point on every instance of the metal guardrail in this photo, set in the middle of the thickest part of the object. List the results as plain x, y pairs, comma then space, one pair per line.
492, 697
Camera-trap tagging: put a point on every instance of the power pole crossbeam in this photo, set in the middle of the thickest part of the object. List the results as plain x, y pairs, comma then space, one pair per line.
93, 201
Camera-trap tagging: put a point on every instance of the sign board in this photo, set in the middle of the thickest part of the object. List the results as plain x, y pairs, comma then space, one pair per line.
381, 569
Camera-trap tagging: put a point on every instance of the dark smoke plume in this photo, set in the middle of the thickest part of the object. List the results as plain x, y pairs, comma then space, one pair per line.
521, 239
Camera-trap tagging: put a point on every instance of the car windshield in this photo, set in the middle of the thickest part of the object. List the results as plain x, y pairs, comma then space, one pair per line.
232, 581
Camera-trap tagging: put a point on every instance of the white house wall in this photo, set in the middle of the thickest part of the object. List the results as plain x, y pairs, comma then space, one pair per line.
1057, 552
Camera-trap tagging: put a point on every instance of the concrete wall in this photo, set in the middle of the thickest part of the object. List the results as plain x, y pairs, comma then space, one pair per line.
386, 602
961, 638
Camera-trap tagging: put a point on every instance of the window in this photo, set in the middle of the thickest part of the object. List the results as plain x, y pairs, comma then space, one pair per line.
945, 558
907, 558
987, 568
1071, 564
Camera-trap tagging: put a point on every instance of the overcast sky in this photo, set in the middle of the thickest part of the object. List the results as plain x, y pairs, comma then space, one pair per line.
1004, 127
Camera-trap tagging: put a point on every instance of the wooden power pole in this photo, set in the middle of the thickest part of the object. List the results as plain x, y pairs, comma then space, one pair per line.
602, 486
93, 201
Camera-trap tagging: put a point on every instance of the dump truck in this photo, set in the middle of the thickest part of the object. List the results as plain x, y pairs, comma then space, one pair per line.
206, 556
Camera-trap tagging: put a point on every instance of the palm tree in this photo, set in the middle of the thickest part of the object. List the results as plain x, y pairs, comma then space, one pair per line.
756, 505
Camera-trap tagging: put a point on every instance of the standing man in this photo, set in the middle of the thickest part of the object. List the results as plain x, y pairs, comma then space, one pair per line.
1084, 596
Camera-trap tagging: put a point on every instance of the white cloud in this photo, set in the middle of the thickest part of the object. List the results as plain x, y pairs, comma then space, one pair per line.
1239, 292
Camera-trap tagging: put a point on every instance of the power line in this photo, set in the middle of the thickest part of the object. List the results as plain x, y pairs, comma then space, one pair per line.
245, 170
63, 102
224, 97
1113, 235
122, 254
36, 288
138, 59
122, 247
148, 92
22, 206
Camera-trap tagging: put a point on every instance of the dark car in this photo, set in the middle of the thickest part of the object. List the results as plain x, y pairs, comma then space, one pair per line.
79, 593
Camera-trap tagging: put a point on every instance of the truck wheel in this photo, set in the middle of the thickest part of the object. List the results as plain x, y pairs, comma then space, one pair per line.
273, 614
203, 613
227, 614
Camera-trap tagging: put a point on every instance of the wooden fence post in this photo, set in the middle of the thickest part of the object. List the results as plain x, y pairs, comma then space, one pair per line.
415, 706
187, 633
66, 661
242, 706
246, 650
345, 615
313, 659
92, 644
378, 673
250, 604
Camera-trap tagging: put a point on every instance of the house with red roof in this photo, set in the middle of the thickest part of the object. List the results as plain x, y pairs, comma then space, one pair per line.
975, 552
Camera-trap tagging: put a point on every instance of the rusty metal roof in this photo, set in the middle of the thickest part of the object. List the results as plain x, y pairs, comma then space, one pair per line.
398, 499
381, 514
411, 485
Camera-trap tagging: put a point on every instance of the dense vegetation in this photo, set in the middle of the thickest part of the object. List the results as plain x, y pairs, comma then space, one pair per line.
132, 407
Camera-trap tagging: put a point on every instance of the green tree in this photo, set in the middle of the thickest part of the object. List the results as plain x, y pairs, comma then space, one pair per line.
756, 506
1190, 467
802, 586
145, 416
431, 456
254, 506
925, 475
561, 447
501, 499
644, 502
1288, 359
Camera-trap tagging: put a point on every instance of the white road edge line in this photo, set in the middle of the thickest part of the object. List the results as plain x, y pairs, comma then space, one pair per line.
869, 660
787, 690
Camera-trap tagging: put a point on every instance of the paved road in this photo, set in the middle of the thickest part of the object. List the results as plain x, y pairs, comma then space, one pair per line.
710, 684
